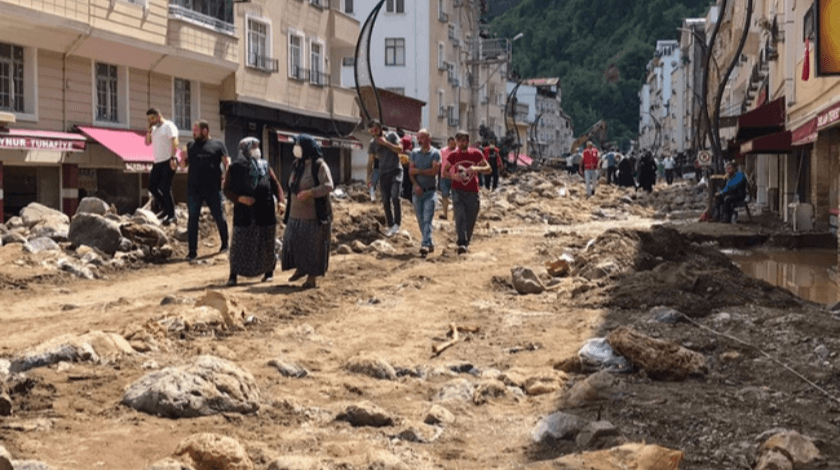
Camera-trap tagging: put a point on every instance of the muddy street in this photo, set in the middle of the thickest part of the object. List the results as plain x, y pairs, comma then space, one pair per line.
400, 362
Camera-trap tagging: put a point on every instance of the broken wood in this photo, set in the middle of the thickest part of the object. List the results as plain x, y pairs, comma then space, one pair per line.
439, 348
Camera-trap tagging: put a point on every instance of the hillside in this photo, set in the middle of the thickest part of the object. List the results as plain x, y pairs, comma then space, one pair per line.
598, 48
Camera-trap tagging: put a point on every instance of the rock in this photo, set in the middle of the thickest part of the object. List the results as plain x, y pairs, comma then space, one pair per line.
93, 258
13, 237
95, 231
439, 415
596, 387
489, 389
343, 249
665, 315
29, 465
822, 352
227, 306
144, 235
35, 213
296, 462
5, 403
381, 246
75, 269
89, 347
168, 464
799, 449
144, 216
358, 247
181, 234
92, 205
207, 451
37, 245
559, 267
834, 308
525, 281
126, 246
721, 318
545, 382
372, 366
5, 461
418, 432
661, 359
458, 390
204, 386
4, 368
638, 456
288, 369
366, 414
51, 229
597, 435
730, 356
557, 426
773, 460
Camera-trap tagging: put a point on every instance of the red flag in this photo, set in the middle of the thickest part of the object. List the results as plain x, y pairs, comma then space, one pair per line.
806, 66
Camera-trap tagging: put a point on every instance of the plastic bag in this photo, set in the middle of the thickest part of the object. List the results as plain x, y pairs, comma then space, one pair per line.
597, 354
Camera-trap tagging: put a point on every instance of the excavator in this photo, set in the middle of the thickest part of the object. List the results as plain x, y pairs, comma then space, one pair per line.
598, 129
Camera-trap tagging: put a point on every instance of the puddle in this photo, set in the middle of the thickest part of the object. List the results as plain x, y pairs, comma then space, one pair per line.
810, 274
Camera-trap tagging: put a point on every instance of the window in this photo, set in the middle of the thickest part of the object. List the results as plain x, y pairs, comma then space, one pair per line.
258, 44
296, 57
441, 107
316, 61
394, 51
217, 14
11, 78
400, 4
441, 57
348, 6
182, 105
107, 84
389, 6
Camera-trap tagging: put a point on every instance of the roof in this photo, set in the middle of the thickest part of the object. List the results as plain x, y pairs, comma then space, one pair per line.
552, 81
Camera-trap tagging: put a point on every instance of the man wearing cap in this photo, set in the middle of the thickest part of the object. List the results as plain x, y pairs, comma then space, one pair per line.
463, 167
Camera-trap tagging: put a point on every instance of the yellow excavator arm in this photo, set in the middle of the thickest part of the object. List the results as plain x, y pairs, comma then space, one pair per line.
599, 129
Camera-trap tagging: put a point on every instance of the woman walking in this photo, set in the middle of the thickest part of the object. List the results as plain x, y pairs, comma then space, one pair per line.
306, 241
252, 186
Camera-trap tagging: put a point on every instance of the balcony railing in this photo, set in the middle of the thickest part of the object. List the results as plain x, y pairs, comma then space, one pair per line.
182, 10
299, 73
319, 78
442, 111
320, 3
263, 63
452, 34
453, 121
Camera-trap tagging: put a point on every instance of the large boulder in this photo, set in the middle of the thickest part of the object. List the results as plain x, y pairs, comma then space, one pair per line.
89, 347
95, 231
35, 213
206, 451
205, 386
786, 449
51, 228
557, 426
372, 366
366, 414
92, 205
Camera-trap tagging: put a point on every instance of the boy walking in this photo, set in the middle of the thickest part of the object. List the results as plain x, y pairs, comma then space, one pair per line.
463, 168
424, 165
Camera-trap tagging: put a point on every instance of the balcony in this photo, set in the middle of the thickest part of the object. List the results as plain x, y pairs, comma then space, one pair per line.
344, 102
185, 11
299, 73
343, 29
442, 111
263, 63
442, 65
453, 121
495, 49
320, 3
319, 78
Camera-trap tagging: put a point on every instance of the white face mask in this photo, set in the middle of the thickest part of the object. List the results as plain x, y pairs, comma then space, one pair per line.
256, 153
297, 151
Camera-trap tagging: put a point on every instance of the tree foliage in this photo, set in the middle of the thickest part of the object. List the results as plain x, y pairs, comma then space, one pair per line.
598, 48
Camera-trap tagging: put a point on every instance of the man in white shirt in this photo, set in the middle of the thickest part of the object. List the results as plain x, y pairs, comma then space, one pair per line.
162, 135
669, 165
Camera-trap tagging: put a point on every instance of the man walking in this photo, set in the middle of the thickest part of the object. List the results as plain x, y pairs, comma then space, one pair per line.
207, 160
491, 154
162, 135
423, 167
446, 183
589, 168
610, 157
669, 165
387, 149
463, 168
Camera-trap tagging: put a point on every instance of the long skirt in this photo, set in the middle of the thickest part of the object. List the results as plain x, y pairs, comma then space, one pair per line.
252, 250
306, 246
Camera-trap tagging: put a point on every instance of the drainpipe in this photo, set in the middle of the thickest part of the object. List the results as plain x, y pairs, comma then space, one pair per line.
149, 80
76, 44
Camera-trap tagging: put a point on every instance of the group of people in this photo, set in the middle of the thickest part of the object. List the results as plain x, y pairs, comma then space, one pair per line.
626, 171
249, 182
454, 171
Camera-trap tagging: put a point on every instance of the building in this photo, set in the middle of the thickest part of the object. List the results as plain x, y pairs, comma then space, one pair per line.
692, 51
658, 92
551, 127
78, 77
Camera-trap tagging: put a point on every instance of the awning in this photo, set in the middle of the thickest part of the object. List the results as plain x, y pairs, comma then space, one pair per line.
779, 142
766, 119
521, 159
349, 143
829, 117
805, 134
128, 144
27, 139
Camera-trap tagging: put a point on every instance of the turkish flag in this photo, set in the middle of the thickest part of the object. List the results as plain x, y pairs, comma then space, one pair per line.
806, 66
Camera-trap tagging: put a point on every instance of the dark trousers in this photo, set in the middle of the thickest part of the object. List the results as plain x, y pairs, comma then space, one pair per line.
407, 191
611, 175
725, 206
195, 199
390, 184
669, 176
465, 205
493, 178
160, 185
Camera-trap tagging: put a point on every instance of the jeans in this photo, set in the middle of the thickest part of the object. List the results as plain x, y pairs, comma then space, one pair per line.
669, 176
424, 209
195, 199
611, 175
465, 205
390, 184
160, 185
493, 178
591, 177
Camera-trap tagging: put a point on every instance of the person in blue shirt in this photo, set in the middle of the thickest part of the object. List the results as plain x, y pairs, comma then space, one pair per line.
732, 194
610, 157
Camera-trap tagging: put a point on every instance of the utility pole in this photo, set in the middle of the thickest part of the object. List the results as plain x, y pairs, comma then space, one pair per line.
473, 8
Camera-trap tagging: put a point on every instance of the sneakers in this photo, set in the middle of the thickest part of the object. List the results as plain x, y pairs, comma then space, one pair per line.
372, 195
169, 220
462, 249
392, 231
424, 250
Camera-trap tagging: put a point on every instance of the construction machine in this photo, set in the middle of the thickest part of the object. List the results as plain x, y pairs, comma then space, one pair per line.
598, 129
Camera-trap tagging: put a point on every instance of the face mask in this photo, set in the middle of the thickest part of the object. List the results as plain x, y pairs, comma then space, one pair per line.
256, 154
297, 151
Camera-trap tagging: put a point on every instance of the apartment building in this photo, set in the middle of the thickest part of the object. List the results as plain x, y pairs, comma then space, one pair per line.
76, 79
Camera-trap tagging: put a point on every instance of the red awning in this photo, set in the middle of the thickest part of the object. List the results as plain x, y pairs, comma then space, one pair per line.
128, 144
521, 159
779, 142
766, 119
829, 117
805, 134
28, 139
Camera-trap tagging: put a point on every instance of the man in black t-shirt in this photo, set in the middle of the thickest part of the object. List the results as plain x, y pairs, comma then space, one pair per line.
207, 159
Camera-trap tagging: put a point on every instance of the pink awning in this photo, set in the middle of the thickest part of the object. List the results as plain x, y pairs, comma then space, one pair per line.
521, 159
29, 139
128, 144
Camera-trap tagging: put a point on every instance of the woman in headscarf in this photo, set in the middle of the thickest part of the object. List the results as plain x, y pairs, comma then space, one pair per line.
306, 241
255, 192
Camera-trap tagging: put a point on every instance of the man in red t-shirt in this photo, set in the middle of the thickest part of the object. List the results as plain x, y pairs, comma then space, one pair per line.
491, 154
463, 168
589, 168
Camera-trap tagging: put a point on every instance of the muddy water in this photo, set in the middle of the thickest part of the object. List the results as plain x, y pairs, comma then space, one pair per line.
810, 274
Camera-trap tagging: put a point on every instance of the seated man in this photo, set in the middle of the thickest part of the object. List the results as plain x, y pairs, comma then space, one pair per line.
732, 194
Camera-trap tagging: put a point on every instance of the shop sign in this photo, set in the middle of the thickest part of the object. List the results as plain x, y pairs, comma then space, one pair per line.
828, 117
34, 143
136, 167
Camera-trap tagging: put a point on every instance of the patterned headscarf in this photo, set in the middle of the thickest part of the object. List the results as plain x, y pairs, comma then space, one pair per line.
259, 167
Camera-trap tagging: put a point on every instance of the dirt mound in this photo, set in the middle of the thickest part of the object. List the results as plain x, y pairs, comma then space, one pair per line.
661, 267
